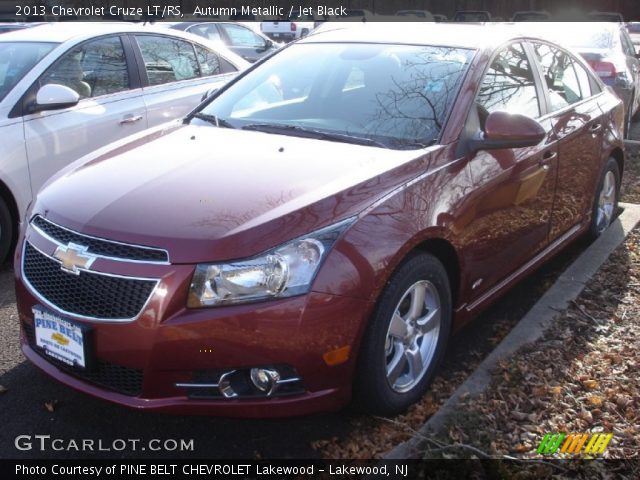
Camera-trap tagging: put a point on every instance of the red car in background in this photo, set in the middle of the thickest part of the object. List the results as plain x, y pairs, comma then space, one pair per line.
316, 229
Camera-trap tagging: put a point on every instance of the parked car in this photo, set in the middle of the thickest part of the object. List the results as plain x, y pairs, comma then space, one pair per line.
633, 28
472, 16
284, 29
440, 18
240, 39
302, 239
67, 89
605, 17
531, 16
608, 49
423, 15
12, 26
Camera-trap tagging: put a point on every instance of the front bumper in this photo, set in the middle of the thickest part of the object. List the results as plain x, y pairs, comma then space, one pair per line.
138, 363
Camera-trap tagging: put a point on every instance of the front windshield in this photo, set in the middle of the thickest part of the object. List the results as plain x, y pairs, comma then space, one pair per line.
395, 95
16, 59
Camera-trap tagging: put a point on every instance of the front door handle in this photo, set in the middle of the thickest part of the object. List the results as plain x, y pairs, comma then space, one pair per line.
595, 127
547, 157
127, 119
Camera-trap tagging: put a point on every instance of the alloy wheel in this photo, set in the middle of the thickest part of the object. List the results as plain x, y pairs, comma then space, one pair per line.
412, 336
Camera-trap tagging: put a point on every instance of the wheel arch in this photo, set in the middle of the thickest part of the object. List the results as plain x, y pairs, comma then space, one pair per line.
7, 196
447, 254
618, 155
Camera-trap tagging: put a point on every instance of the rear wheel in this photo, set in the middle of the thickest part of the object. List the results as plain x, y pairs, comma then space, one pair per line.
6, 230
606, 199
406, 337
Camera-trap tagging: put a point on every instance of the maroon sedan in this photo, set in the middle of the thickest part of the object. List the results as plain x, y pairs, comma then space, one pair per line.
316, 230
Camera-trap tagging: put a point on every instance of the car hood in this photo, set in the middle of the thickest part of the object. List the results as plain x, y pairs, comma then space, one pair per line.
210, 194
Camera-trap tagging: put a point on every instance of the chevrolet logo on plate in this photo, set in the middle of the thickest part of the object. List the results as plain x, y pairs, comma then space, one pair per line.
73, 257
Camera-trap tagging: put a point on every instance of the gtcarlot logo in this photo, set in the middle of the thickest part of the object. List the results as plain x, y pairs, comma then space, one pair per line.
47, 443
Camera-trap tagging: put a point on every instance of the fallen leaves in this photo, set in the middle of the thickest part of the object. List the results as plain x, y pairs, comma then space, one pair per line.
51, 405
582, 376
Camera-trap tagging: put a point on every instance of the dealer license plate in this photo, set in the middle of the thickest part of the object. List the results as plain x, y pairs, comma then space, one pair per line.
59, 338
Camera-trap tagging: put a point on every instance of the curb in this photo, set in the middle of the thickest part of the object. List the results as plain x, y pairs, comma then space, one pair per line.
531, 327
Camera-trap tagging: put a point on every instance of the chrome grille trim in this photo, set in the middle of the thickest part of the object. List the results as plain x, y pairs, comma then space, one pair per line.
44, 234
51, 305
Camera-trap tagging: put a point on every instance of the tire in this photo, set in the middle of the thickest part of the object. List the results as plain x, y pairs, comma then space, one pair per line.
387, 382
605, 203
6, 231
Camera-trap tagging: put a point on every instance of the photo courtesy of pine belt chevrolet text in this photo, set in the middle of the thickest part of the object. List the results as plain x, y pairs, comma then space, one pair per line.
313, 233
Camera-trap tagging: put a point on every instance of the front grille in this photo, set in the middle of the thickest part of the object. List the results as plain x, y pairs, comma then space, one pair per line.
118, 378
88, 294
99, 246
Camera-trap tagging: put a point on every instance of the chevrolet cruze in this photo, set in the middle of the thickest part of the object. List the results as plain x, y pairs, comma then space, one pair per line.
315, 231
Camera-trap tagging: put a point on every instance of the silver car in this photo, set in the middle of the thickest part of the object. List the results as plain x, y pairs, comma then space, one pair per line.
67, 89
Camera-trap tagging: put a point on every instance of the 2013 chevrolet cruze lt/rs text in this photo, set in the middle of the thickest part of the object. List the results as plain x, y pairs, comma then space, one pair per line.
315, 231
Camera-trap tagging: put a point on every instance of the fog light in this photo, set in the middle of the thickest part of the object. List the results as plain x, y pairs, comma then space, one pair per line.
265, 379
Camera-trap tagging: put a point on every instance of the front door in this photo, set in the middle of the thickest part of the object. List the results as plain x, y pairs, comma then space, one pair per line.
514, 188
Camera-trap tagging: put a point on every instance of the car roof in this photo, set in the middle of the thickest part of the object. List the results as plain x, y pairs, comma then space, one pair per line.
59, 32
417, 33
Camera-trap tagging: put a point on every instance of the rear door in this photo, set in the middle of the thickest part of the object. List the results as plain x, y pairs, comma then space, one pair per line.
111, 106
176, 74
576, 118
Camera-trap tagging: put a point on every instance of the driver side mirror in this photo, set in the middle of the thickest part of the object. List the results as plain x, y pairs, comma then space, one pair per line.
508, 130
53, 97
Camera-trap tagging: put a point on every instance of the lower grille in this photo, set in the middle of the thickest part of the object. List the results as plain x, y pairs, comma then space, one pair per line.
89, 294
118, 378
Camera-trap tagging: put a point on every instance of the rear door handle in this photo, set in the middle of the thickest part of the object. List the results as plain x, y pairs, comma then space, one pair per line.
127, 119
595, 127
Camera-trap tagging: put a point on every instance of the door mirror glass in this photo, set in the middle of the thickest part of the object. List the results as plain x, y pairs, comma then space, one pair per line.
53, 96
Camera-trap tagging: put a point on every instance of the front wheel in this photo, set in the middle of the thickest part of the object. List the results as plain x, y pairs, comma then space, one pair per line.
406, 337
606, 199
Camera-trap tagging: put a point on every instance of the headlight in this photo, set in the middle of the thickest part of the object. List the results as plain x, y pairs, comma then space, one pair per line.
285, 271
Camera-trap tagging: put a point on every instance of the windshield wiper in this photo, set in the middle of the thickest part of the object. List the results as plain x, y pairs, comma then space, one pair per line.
213, 119
313, 133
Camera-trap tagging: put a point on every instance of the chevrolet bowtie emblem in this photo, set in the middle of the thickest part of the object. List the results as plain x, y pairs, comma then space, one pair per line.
73, 257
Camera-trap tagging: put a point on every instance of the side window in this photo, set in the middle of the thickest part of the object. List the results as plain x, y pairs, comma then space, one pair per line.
207, 31
583, 80
92, 69
167, 59
509, 85
209, 61
242, 37
559, 76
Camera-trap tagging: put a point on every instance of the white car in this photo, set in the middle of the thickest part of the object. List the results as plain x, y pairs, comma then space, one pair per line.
67, 89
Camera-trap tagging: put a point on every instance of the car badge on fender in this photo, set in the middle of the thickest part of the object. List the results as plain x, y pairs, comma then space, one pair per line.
73, 258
